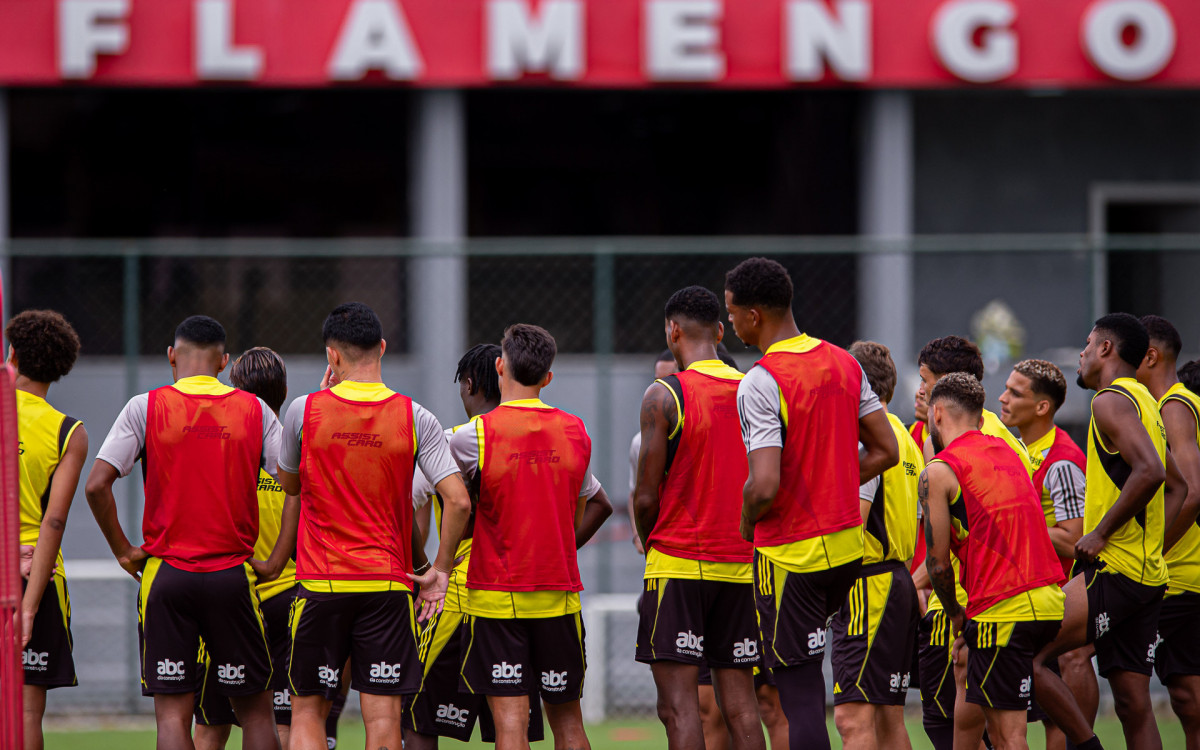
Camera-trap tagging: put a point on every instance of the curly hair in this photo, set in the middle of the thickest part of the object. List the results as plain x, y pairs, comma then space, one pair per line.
261, 371
45, 344
353, 324
479, 366
1160, 329
1045, 378
1127, 335
694, 303
530, 351
952, 354
760, 282
960, 389
202, 331
876, 361
1189, 375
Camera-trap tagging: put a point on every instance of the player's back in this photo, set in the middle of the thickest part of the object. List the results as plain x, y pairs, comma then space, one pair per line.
1134, 549
533, 461
356, 472
701, 496
890, 531
1183, 559
43, 432
1000, 529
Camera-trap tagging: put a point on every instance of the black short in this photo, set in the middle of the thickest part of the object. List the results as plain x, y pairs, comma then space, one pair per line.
763, 677
1122, 620
47, 659
698, 622
1000, 661
935, 643
794, 609
1178, 644
375, 630
516, 657
438, 708
212, 708
874, 634
178, 608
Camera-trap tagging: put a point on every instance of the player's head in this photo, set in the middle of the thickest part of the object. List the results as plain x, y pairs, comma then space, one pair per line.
527, 352
876, 361
757, 291
727, 358
944, 356
352, 335
1189, 375
1034, 391
665, 365
955, 407
478, 383
1165, 345
693, 314
199, 345
42, 345
1118, 342
261, 371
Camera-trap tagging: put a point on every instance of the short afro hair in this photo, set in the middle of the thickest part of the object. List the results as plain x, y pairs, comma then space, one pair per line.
876, 361
1127, 334
201, 330
479, 366
530, 351
694, 303
353, 324
952, 354
760, 282
1189, 375
45, 344
1160, 329
261, 371
962, 390
1045, 378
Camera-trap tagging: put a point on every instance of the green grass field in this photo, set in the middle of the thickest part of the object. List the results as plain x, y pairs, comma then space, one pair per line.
631, 735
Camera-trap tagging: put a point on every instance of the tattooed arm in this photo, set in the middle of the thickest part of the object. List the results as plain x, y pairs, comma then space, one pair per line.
659, 417
937, 487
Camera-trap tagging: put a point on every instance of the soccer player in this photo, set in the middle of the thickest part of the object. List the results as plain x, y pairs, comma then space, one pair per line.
439, 709
538, 503
42, 347
663, 366
1033, 394
804, 408
875, 631
943, 700
349, 452
698, 603
202, 446
1114, 602
1177, 654
979, 503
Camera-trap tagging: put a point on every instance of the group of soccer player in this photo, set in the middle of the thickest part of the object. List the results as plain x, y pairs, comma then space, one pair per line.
780, 511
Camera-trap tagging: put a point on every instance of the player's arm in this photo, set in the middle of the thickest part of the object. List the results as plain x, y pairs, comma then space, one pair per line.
421, 519
1180, 424
54, 522
1066, 484
762, 485
936, 490
591, 512
880, 450
98, 490
285, 544
419, 559
658, 417
1119, 424
1064, 534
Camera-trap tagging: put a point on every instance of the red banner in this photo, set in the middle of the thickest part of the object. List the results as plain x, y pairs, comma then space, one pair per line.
607, 43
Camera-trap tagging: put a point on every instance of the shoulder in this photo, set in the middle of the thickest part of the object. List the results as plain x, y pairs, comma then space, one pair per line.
757, 379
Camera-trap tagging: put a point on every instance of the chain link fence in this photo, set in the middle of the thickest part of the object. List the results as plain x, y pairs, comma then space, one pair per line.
601, 298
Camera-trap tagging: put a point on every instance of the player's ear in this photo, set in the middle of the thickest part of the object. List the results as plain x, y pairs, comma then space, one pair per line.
500, 366
546, 380
332, 356
382, 347
171, 355
720, 331
12, 357
224, 362
980, 425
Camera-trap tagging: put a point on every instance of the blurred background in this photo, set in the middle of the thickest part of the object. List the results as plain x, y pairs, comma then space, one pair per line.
935, 191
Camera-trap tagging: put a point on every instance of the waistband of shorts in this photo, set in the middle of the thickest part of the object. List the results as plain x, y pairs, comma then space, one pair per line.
886, 566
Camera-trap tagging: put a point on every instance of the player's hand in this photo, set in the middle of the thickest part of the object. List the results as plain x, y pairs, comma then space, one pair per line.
26, 558
637, 545
958, 652
330, 379
263, 571
923, 601
747, 529
432, 597
133, 560
1089, 546
27, 616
